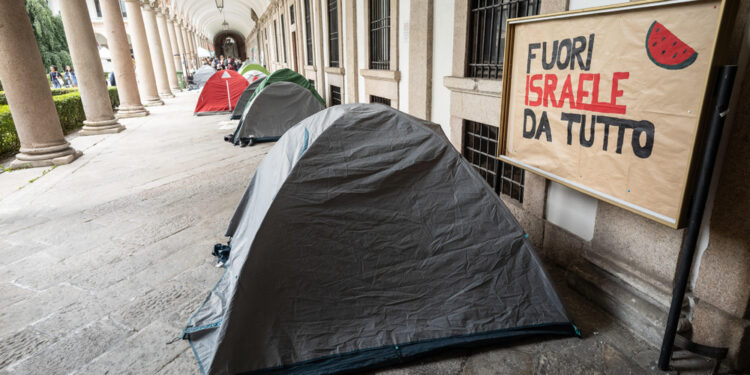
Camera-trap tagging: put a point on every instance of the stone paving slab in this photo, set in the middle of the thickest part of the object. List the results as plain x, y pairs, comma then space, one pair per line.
103, 261
73, 351
145, 352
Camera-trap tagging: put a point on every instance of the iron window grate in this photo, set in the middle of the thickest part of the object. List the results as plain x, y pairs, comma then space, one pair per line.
487, 34
380, 34
276, 39
308, 33
333, 33
312, 82
283, 36
480, 148
335, 95
98, 9
511, 181
380, 100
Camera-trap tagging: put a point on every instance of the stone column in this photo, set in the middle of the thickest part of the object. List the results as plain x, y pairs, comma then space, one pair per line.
100, 118
420, 58
191, 46
351, 68
27, 91
185, 45
195, 49
127, 87
157, 54
173, 41
143, 66
161, 23
180, 46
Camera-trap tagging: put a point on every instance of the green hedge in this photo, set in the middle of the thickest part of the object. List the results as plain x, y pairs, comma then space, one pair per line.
55, 92
69, 110
9, 143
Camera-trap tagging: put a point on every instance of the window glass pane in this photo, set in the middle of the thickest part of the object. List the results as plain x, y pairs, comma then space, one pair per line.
308, 33
333, 33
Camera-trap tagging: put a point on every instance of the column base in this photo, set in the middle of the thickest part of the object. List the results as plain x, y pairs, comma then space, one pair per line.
45, 156
101, 127
152, 102
166, 95
131, 111
176, 89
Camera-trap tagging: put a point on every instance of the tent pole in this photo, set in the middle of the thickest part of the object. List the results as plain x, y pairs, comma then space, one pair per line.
723, 92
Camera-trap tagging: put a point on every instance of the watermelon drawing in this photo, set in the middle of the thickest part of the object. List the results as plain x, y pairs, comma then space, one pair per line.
667, 50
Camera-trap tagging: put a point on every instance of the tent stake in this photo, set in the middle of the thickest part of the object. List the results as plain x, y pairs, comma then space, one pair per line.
723, 92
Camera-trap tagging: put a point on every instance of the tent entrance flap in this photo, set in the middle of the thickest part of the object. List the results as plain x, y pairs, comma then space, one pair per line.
220, 92
273, 111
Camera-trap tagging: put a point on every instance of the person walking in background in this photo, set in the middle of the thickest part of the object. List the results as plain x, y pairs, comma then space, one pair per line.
70, 76
111, 79
55, 77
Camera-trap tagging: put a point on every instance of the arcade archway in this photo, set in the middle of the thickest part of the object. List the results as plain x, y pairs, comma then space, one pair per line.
230, 44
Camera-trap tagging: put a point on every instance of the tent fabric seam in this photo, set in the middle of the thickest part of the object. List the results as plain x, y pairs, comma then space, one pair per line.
525, 331
197, 358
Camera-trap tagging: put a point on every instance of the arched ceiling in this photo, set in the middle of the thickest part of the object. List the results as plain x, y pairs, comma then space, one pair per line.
204, 15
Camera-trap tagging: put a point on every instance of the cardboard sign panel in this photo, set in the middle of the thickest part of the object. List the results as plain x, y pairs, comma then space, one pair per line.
608, 102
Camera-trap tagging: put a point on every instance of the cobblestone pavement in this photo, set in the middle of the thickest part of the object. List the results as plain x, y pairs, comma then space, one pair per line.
102, 261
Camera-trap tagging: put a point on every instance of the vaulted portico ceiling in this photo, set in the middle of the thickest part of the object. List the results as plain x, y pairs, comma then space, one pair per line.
206, 18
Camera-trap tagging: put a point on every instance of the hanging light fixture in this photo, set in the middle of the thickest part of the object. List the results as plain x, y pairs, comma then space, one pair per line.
220, 4
225, 25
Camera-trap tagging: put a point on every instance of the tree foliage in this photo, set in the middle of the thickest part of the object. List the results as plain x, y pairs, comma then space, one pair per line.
49, 34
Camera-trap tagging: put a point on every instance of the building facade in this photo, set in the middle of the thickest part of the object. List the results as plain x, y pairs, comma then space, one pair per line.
436, 60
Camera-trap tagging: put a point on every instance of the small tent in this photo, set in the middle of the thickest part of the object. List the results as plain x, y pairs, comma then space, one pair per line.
202, 75
244, 98
248, 67
220, 93
273, 111
363, 239
287, 75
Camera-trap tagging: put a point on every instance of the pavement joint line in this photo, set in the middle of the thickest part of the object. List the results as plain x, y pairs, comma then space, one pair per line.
22, 286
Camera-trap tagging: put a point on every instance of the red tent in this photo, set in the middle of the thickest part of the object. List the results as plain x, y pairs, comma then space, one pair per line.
221, 92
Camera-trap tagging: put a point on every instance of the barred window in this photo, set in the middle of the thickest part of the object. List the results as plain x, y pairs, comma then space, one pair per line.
276, 39
511, 181
98, 8
335, 95
380, 34
291, 14
480, 148
487, 34
333, 33
283, 36
308, 33
380, 100
312, 82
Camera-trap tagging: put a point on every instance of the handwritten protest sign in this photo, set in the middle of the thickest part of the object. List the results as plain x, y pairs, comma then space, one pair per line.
609, 102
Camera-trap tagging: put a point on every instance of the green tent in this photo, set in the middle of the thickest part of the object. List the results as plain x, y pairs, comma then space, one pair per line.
285, 75
257, 67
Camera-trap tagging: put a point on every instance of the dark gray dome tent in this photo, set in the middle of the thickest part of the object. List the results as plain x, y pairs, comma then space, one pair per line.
246, 95
364, 239
274, 110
